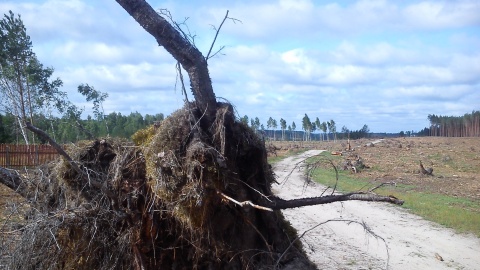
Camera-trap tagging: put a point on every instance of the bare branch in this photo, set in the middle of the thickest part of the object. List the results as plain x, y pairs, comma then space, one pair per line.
55, 145
178, 26
74, 165
215, 38
180, 76
363, 224
357, 196
242, 204
280, 204
383, 184
310, 168
217, 52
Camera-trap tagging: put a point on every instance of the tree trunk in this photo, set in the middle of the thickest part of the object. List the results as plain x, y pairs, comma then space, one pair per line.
181, 49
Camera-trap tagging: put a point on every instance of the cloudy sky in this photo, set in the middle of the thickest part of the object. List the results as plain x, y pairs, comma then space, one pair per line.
387, 64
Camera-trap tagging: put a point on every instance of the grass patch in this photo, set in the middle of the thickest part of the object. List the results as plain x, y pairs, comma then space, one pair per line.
460, 214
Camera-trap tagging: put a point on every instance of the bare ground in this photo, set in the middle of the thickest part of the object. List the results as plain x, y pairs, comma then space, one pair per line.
455, 162
413, 243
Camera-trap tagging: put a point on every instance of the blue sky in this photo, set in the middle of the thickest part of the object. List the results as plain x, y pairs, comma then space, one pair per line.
387, 64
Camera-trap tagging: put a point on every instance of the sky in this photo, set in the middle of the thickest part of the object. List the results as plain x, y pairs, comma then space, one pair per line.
386, 64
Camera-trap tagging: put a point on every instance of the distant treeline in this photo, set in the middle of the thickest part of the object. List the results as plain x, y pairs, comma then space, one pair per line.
467, 125
65, 130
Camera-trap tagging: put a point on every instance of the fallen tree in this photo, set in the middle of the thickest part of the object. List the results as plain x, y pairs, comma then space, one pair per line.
197, 195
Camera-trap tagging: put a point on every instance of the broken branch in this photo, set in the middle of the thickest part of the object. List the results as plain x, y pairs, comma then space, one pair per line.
357, 196
242, 204
383, 184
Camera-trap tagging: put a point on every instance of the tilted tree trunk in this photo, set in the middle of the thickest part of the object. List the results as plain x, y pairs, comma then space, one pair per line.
180, 48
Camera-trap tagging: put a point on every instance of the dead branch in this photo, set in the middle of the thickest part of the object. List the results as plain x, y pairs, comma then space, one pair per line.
180, 76
178, 26
348, 221
216, 35
298, 166
242, 204
55, 145
215, 38
310, 168
83, 175
357, 196
383, 184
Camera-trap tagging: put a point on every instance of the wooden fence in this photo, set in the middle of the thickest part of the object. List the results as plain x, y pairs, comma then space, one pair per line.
18, 156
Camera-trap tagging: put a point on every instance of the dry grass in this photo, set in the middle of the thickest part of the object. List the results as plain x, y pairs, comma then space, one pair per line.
455, 162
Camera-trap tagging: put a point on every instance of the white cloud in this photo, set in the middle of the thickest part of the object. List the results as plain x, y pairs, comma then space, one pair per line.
378, 54
283, 20
357, 62
445, 14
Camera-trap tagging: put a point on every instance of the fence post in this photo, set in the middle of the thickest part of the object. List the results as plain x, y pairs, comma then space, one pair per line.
7, 156
36, 155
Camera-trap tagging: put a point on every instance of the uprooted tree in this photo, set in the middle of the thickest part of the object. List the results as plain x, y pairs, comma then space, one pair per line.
196, 195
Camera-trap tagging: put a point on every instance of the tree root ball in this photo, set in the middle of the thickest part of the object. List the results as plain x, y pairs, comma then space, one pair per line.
160, 205
187, 168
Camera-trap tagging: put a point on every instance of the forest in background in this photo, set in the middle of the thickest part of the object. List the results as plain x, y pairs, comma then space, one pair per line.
467, 125
66, 130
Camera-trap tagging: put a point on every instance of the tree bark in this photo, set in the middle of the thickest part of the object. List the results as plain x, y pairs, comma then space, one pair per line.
279, 204
181, 49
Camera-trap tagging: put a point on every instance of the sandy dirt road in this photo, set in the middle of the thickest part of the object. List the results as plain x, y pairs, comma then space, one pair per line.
413, 243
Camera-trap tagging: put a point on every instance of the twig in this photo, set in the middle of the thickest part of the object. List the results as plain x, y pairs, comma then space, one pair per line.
363, 224
383, 184
296, 166
189, 37
54, 239
257, 191
215, 38
242, 204
310, 169
180, 75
